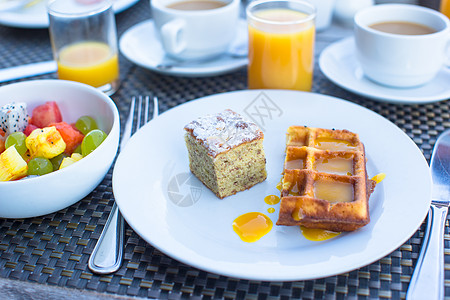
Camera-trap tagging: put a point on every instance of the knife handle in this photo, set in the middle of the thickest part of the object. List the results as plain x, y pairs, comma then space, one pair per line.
106, 258
28, 70
427, 281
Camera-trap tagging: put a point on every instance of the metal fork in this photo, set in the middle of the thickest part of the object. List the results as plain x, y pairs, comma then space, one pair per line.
107, 255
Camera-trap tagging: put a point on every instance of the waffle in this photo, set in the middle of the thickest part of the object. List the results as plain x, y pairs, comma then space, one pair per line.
325, 182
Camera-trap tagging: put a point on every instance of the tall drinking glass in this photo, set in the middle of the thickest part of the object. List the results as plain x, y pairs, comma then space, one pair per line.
84, 41
281, 44
445, 7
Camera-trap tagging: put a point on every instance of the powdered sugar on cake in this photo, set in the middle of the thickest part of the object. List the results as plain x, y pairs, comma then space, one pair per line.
223, 131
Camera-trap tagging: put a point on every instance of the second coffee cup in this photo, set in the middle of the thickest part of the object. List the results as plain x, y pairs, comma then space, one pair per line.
192, 29
401, 45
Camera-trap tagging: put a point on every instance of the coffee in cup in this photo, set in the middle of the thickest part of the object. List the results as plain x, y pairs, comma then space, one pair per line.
192, 29
397, 27
401, 45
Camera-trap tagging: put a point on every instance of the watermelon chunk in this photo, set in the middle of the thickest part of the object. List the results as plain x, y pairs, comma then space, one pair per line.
2, 140
72, 137
29, 129
45, 114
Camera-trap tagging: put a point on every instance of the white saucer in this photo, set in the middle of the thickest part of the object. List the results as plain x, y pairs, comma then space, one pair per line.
36, 15
141, 45
338, 62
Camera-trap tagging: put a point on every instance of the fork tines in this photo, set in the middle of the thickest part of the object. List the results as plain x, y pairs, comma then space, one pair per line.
142, 115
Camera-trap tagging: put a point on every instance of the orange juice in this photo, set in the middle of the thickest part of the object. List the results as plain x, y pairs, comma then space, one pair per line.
281, 50
92, 63
445, 7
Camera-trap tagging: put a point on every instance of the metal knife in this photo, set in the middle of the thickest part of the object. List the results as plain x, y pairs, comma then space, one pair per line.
29, 70
427, 281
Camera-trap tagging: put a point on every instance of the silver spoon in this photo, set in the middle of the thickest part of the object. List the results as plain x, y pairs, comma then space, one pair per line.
235, 52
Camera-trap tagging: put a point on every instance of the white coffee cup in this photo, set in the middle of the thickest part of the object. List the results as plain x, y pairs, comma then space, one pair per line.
192, 34
324, 13
400, 60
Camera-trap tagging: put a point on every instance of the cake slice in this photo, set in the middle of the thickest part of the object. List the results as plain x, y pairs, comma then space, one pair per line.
226, 152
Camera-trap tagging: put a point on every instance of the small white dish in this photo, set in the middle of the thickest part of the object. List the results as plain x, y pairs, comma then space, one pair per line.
173, 211
339, 64
7, 5
141, 45
49, 193
36, 17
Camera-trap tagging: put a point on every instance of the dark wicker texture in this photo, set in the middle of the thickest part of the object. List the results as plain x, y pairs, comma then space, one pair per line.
54, 249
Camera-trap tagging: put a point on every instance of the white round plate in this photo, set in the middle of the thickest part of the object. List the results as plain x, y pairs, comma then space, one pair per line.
141, 45
338, 62
36, 15
174, 212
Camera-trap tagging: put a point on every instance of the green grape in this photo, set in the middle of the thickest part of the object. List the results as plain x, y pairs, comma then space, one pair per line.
17, 139
92, 140
39, 166
56, 161
85, 124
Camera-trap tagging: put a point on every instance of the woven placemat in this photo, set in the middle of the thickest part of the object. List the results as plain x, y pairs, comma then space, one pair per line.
54, 249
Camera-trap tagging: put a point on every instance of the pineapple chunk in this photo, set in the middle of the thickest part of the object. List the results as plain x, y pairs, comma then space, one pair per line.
67, 161
45, 142
12, 165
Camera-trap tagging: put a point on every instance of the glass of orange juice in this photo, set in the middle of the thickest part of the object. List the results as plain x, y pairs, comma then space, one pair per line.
84, 42
445, 7
281, 37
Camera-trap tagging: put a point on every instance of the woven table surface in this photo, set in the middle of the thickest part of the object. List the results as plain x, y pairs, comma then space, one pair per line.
53, 250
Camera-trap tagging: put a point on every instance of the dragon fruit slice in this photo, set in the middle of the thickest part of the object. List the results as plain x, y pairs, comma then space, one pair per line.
13, 117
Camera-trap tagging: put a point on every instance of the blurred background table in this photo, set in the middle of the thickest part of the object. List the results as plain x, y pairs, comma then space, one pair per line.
46, 257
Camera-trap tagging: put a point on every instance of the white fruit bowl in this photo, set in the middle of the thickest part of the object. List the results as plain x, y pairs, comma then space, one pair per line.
49, 193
